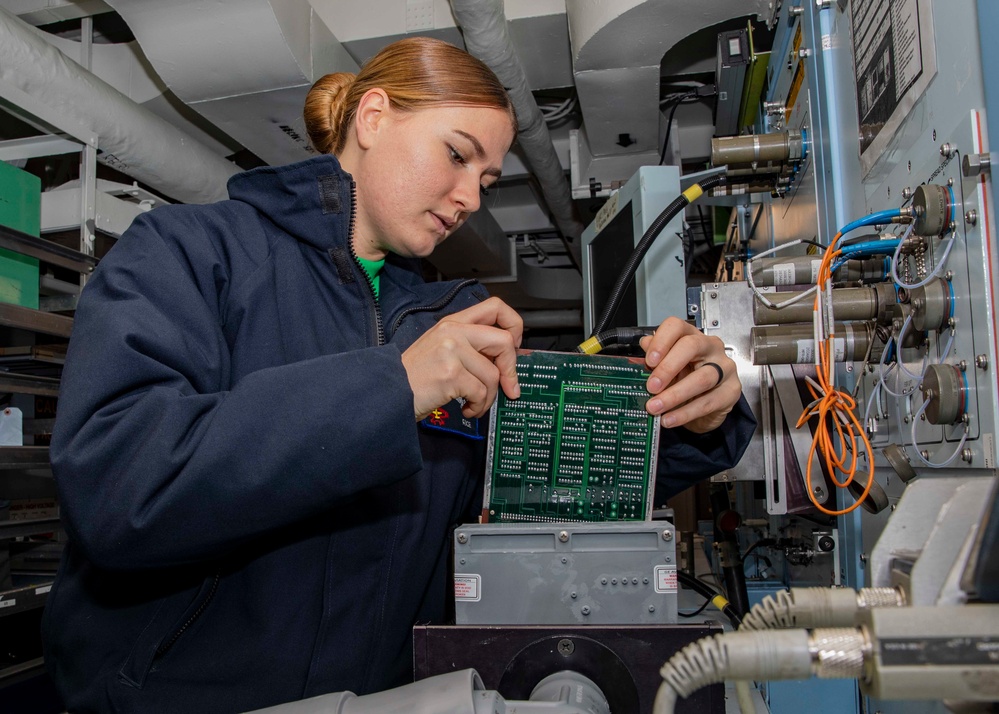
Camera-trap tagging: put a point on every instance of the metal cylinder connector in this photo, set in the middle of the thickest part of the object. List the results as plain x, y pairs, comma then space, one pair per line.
934, 208
804, 270
849, 304
795, 344
838, 652
932, 305
757, 149
945, 389
870, 598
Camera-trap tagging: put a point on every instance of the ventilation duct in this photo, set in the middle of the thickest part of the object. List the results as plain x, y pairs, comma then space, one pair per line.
244, 65
617, 49
131, 139
484, 28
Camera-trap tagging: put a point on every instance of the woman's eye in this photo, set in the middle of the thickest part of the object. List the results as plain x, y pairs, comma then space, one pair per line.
455, 156
483, 190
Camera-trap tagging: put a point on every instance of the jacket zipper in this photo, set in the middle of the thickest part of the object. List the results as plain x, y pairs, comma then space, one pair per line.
379, 328
440, 304
162, 649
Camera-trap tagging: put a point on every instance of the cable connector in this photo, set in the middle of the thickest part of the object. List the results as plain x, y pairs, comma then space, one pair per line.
818, 607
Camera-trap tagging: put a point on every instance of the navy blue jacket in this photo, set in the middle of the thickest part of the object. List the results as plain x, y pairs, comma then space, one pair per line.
254, 516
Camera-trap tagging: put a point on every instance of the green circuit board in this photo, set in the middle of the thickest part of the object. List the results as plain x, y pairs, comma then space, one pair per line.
577, 445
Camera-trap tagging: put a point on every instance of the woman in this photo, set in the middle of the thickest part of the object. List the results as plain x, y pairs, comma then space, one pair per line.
255, 513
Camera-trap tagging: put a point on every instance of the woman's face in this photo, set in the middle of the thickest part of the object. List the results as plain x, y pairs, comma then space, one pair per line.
420, 174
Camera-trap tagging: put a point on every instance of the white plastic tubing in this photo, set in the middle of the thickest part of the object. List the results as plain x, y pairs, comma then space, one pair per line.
131, 139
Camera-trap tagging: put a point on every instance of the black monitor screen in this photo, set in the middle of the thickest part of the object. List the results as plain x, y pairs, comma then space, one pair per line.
609, 252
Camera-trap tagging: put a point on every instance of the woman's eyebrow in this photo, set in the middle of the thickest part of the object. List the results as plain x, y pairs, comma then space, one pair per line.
479, 151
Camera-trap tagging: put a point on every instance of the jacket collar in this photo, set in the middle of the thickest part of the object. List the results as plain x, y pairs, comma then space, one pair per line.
310, 200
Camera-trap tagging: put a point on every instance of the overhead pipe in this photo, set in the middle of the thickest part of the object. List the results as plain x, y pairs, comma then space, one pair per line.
484, 27
131, 139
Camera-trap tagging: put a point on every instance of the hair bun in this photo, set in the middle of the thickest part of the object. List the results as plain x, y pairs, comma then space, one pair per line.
324, 108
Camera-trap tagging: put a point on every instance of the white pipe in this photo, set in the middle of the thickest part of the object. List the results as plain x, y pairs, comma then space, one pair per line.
131, 139
483, 25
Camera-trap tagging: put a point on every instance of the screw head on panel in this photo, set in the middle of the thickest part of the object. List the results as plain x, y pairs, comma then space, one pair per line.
667, 535
982, 361
462, 538
971, 217
566, 647
563, 536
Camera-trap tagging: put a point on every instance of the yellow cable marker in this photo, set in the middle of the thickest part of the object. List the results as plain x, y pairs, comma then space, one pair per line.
591, 346
693, 193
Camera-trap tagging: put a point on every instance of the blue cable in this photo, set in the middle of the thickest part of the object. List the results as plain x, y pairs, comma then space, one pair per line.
865, 250
876, 218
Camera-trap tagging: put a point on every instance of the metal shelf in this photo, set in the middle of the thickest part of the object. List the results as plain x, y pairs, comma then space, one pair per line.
26, 318
23, 457
24, 597
27, 384
46, 250
19, 672
22, 529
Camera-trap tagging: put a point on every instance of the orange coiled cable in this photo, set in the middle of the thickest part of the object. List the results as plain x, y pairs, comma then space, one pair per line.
836, 407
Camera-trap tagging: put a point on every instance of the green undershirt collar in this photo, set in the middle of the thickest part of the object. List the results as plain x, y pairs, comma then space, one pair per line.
372, 268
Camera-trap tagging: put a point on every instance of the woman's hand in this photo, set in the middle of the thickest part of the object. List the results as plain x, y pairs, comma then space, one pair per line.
687, 390
466, 355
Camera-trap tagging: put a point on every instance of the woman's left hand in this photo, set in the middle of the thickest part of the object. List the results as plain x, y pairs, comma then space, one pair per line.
685, 386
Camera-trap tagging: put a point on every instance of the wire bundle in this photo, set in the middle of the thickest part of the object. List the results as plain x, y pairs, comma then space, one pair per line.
835, 409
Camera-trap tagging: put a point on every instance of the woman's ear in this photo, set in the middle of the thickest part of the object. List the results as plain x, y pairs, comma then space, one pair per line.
372, 110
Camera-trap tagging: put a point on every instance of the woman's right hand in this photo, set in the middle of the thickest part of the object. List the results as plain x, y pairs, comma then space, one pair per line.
468, 355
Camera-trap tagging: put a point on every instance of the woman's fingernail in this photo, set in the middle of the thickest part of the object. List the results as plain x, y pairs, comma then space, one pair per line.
668, 420
654, 406
653, 358
655, 385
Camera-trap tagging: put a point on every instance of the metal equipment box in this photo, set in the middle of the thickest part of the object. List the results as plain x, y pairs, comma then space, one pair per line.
623, 661
566, 573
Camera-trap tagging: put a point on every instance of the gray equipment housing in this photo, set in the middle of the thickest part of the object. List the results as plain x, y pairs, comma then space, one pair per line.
566, 573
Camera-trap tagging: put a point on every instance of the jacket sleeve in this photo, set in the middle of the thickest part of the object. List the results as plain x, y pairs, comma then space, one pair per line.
686, 458
159, 461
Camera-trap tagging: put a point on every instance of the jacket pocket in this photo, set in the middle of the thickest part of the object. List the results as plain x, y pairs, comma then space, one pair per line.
163, 631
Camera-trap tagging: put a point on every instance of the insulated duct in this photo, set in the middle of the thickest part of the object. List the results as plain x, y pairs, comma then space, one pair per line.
131, 139
484, 27
617, 50
244, 65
